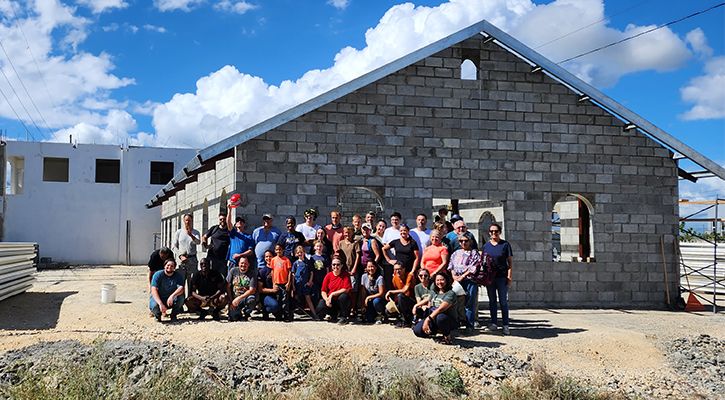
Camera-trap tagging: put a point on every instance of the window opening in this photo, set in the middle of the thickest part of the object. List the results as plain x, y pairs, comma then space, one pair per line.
161, 172
571, 230
469, 71
108, 171
15, 175
55, 169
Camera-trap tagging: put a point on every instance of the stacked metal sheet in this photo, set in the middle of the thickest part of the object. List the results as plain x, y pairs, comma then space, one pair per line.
16, 268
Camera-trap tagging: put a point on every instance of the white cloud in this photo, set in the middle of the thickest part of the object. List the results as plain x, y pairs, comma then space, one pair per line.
339, 4
173, 5
227, 101
154, 28
99, 6
238, 7
707, 92
116, 126
697, 40
68, 86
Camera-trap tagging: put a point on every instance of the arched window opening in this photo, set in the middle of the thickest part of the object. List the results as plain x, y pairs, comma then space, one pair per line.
487, 218
358, 200
572, 236
468, 70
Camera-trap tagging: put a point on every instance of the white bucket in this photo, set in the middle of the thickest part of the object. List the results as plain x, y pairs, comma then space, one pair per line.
108, 293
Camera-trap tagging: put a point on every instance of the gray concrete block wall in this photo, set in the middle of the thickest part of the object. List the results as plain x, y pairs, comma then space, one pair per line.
511, 136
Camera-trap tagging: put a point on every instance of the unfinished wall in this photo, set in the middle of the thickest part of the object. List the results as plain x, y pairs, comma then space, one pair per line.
513, 137
206, 190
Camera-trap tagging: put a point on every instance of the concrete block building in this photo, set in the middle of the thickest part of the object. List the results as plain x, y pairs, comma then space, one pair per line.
84, 203
586, 190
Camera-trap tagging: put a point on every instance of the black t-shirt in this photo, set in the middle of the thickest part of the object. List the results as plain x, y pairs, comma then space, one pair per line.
405, 253
219, 242
209, 284
290, 240
156, 263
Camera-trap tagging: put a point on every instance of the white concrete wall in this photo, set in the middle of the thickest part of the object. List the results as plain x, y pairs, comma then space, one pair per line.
82, 221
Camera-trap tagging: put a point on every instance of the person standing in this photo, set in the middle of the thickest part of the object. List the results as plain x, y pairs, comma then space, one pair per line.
421, 234
393, 232
464, 263
167, 291
185, 241
502, 257
291, 239
405, 249
459, 230
218, 249
309, 228
265, 237
335, 230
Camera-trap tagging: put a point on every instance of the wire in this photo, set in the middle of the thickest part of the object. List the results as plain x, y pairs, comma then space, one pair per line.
642, 33
35, 61
25, 88
590, 25
27, 131
21, 102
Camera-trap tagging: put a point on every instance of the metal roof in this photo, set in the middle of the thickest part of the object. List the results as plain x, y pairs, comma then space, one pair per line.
539, 62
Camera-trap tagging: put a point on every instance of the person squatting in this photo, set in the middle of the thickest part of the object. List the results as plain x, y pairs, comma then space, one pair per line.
368, 273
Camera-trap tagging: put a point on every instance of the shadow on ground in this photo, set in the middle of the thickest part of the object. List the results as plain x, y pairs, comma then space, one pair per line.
32, 310
538, 329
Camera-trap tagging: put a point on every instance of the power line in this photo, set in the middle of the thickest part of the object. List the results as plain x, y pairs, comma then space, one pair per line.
642, 33
21, 103
25, 88
35, 61
27, 131
590, 25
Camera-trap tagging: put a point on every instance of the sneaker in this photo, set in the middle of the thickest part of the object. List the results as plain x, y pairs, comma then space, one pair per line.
215, 316
202, 315
491, 328
477, 325
174, 318
342, 321
506, 330
379, 322
158, 317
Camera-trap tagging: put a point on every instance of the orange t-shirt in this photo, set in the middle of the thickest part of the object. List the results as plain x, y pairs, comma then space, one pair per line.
281, 266
433, 257
399, 284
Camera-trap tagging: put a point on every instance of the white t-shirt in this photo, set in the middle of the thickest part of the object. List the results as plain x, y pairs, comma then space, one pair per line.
307, 231
421, 237
185, 243
390, 234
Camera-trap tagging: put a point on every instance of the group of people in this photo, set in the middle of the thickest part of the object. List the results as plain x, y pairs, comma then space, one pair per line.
367, 272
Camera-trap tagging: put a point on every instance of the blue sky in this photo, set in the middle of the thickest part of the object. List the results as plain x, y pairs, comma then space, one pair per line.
160, 72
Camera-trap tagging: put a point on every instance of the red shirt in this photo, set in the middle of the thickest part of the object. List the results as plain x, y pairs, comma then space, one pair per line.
281, 267
334, 235
333, 283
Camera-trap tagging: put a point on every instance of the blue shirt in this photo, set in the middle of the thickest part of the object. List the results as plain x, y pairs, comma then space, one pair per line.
239, 243
500, 254
264, 241
302, 270
290, 241
166, 285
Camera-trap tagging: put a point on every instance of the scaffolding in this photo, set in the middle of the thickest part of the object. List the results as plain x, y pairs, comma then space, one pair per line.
699, 274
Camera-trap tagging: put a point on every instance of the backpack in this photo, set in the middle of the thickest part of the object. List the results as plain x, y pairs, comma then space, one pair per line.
485, 272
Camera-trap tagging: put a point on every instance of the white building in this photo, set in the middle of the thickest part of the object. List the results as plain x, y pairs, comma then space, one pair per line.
84, 204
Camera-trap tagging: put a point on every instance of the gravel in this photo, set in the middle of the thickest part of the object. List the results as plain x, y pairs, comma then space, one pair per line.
701, 360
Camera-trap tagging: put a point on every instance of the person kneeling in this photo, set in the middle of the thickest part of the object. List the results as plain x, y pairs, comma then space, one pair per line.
438, 311
207, 292
335, 293
241, 286
167, 291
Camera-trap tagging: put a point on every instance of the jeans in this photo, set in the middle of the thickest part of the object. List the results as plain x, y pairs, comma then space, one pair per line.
340, 307
501, 288
175, 309
471, 289
440, 324
245, 308
271, 306
373, 308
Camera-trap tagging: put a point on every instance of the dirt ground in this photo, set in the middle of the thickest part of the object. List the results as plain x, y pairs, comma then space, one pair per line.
596, 345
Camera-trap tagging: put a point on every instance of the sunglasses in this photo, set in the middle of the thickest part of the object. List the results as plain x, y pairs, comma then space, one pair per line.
423, 275
463, 241
337, 265
494, 231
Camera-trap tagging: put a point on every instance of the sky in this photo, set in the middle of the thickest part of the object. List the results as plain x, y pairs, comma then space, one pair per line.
187, 73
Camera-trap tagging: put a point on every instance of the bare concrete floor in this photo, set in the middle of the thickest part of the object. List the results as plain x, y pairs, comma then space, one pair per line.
592, 344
